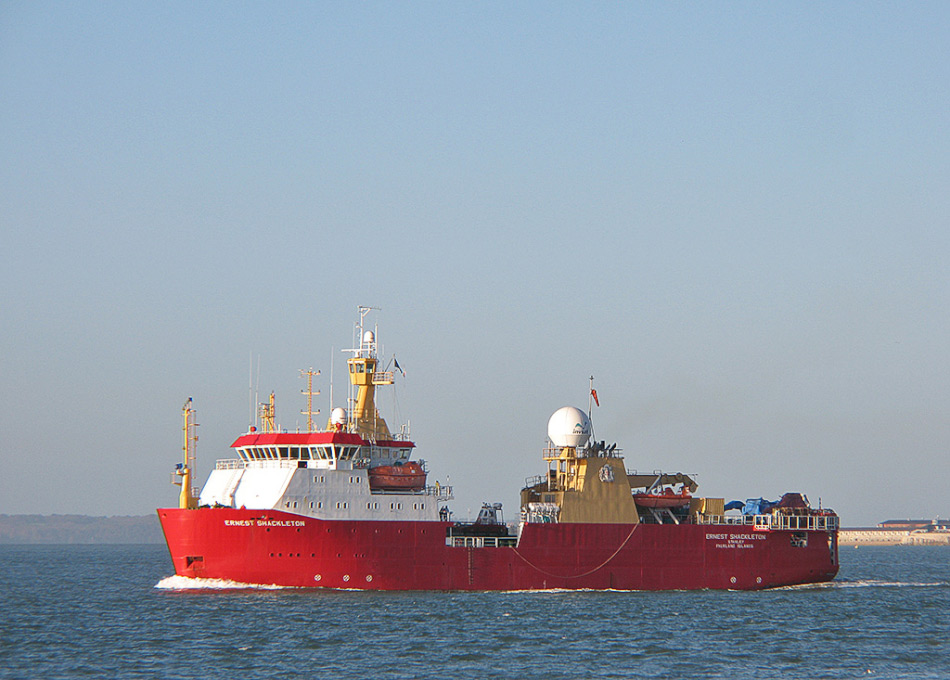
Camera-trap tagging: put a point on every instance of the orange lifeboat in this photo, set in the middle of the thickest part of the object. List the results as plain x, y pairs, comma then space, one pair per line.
666, 499
400, 477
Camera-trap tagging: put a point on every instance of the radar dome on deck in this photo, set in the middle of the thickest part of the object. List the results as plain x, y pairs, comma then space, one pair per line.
368, 337
569, 426
338, 416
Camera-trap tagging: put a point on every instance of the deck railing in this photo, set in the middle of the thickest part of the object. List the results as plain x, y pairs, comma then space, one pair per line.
238, 464
777, 522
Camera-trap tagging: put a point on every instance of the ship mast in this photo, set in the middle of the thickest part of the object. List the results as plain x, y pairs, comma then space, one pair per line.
187, 499
364, 377
310, 413
268, 414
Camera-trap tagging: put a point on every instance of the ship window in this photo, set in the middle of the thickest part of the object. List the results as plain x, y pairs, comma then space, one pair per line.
311, 505
284, 452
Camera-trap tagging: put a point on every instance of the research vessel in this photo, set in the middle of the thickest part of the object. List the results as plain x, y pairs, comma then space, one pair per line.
349, 505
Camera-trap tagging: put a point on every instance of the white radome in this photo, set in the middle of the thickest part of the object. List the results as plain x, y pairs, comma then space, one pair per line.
569, 426
368, 337
338, 416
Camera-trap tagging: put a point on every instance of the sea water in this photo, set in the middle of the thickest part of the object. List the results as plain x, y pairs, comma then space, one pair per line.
117, 612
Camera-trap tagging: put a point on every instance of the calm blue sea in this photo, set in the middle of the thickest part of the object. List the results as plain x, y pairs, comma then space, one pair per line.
111, 612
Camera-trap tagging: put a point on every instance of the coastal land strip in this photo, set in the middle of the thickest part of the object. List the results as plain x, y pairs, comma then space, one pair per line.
78, 529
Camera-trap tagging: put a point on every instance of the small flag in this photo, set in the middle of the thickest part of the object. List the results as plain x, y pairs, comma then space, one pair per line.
398, 367
593, 393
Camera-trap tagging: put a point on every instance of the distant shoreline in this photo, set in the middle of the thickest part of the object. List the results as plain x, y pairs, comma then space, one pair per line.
79, 530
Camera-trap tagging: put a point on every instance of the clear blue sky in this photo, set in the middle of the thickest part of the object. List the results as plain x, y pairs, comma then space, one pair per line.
736, 216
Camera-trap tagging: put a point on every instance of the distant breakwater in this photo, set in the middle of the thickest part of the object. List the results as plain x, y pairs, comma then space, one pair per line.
876, 536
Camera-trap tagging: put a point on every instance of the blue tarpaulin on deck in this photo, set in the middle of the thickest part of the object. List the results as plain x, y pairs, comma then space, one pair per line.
756, 506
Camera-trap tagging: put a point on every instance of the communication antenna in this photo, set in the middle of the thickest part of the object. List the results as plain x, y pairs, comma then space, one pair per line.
310, 413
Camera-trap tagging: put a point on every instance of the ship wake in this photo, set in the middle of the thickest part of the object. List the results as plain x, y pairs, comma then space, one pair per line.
184, 583
866, 583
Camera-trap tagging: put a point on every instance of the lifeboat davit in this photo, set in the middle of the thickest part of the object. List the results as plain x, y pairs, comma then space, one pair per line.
666, 499
400, 477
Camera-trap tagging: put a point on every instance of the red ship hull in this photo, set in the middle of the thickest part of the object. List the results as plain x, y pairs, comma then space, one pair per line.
271, 547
